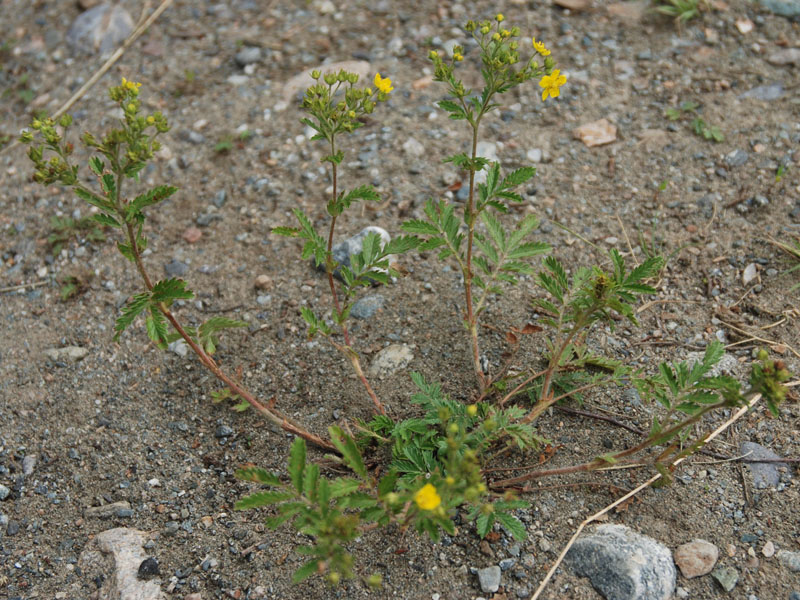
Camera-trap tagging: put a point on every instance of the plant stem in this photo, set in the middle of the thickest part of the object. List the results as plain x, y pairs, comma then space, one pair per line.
282, 421
472, 321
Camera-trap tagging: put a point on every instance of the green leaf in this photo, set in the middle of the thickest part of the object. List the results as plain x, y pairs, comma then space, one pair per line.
208, 330
387, 483
149, 198
306, 571
168, 290
343, 486
484, 523
518, 177
419, 227
310, 481
241, 406
94, 199
513, 525
108, 184
96, 165
349, 450
286, 231
157, 327
105, 219
136, 305
297, 463
260, 499
257, 475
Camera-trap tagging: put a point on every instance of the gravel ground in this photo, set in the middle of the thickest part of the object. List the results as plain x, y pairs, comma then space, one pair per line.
124, 422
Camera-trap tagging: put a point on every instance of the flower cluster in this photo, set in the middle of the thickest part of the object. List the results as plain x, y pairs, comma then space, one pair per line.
333, 115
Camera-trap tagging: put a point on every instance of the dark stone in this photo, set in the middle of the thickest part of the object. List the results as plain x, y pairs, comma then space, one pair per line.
148, 569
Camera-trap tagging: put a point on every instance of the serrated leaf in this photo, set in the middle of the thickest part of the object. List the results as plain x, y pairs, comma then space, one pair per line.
96, 165
136, 305
105, 219
286, 231
419, 227
241, 406
349, 450
94, 199
342, 486
157, 327
168, 290
306, 571
518, 177
154, 196
297, 463
483, 524
260, 499
257, 475
513, 525
310, 481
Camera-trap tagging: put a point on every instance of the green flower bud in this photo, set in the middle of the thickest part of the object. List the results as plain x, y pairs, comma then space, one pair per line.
315, 74
549, 63
330, 78
470, 26
452, 429
66, 120
26, 137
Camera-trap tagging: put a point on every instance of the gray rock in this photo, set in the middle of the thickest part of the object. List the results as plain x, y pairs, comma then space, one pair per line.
66, 354
736, 158
727, 577
489, 578
696, 558
28, 464
785, 56
353, 245
223, 431
179, 347
248, 55
507, 563
764, 474
367, 306
413, 148
390, 360
765, 92
176, 268
784, 8
12, 528
4, 492
727, 365
219, 198
106, 511
101, 28
794, 596
148, 568
790, 560
624, 565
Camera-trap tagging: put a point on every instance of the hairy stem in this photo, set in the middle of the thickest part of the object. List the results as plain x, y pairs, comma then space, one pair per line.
472, 321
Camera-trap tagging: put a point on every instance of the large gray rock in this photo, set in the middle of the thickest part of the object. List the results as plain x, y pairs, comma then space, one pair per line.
765, 474
101, 28
624, 565
785, 8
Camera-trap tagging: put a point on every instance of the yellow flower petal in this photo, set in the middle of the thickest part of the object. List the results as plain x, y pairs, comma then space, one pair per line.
427, 498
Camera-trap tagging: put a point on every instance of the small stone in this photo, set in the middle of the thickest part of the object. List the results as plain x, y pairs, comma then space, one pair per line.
107, 510
176, 268
248, 55
507, 563
765, 474
154, 483
413, 148
696, 558
785, 56
198, 596
12, 528
489, 579
263, 282
727, 577
768, 550
179, 347
192, 235
765, 92
784, 8
354, 244
596, 133
28, 464
66, 354
790, 560
736, 158
534, 155
366, 307
148, 568
4, 492
390, 360
100, 29
749, 274
794, 596
223, 431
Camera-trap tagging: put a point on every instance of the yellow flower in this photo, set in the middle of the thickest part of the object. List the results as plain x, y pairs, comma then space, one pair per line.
472, 410
540, 47
427, 498
150, 120
458, 57
384, 84
500, 17
450, 480
551, 83
131, 85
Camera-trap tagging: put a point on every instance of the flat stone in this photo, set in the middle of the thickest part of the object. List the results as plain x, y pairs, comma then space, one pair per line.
366, 307
624, 565
727, 577
790, 560
176, 268
28, 464
765, 92
100, 29
696, 558
764, 474
4, 492
785, 56
784, 8
489, 579
106, 511
262, 282
192, 235
66, 354
390, 360
248, 55
736, 158
596, 133
749, 274
223, 431
413, 147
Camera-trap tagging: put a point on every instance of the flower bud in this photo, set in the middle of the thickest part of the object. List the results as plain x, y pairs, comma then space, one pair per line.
452, 429
472, 410
330, 78
500, 18
470, 26
549, 63
433, 55
315, 74
65, 121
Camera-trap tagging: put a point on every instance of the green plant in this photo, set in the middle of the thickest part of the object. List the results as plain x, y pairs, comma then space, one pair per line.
437, 461
63, 229
681, 10
706, 131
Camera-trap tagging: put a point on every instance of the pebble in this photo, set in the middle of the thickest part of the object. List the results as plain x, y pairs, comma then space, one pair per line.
4, 492
366, 307
749, 274
413, 148
696, 558
262, 282
727, 577
66, 354
106, 511
507, 563
179, 347
248, 55
765, 92
101, 28
223, 431
764, 474
489, 579
176, 268
28, 464
390, 360
784, 8
192, 235
736, 158
148, 568
596, 133
219, 198
535, 155
785, 56
794, 596
790, 560
623, 564
12, 528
